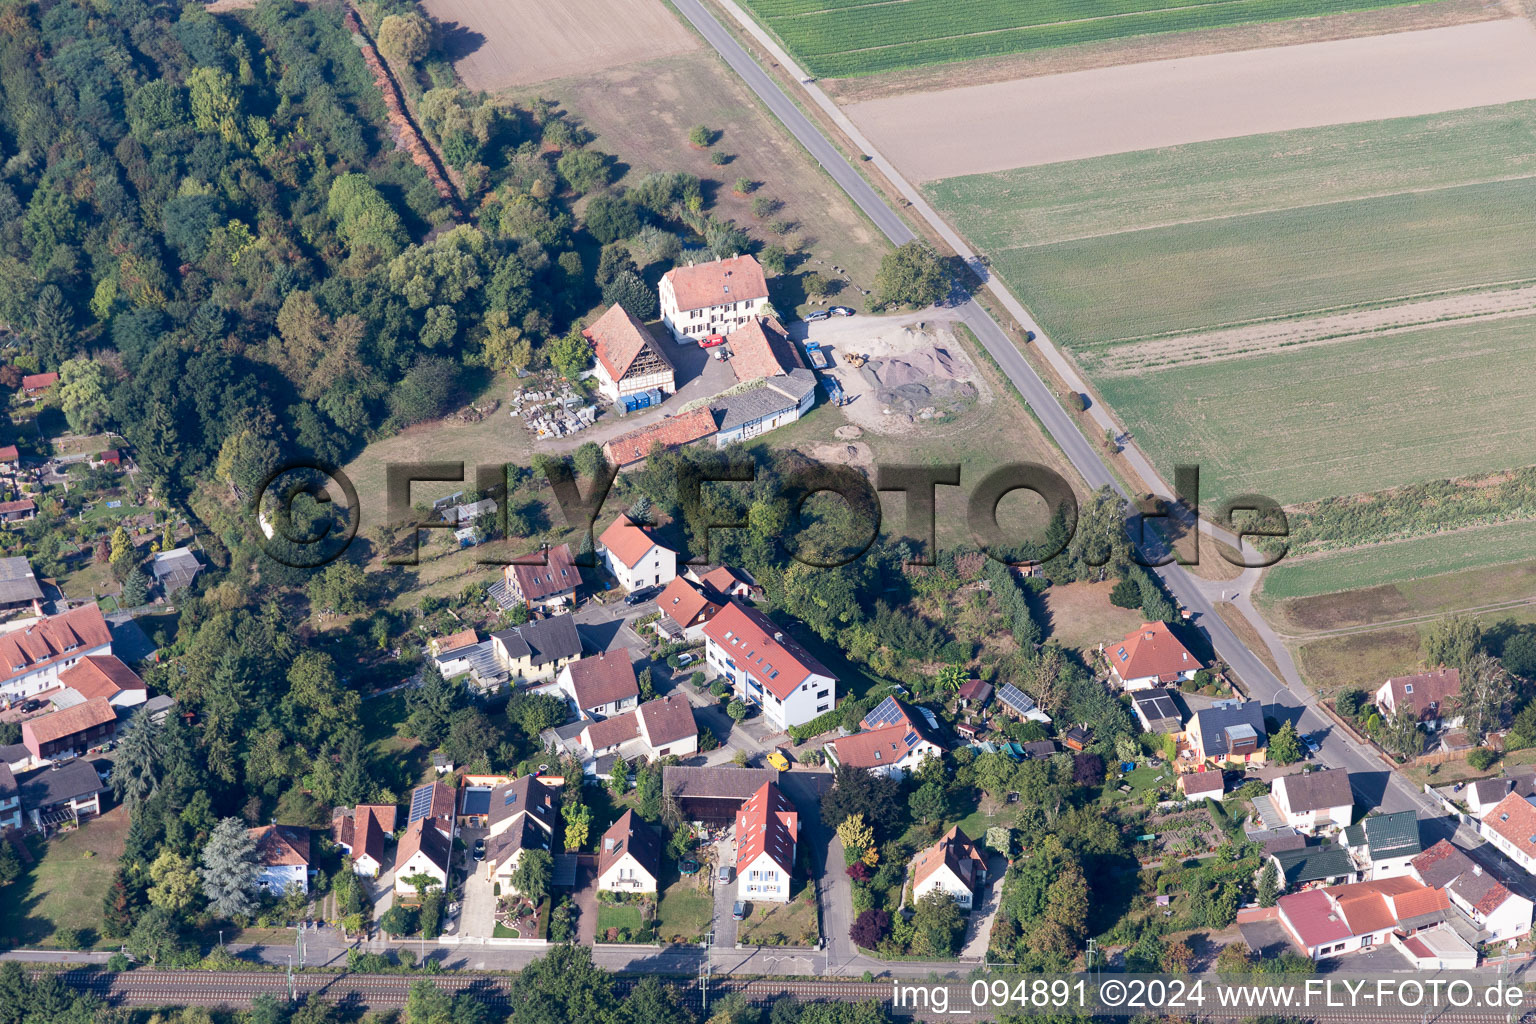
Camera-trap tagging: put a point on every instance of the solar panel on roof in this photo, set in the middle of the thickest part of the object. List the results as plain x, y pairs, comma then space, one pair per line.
909, 739
1015, 697
885, 713
421, 803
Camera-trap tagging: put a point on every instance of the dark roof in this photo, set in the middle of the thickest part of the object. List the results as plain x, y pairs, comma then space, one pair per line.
632, 834
551, 639
1318, 791
602, 679
1313, 864
14, 752
7, 781
510, 799
772, 395
1387, 835
1280, 839
1491, 791
476, 800
1442, 864
175, 568
1215, 721
1039, 748
54, 785
17, 582
721, 782
1157, 708
978, 690
522, 834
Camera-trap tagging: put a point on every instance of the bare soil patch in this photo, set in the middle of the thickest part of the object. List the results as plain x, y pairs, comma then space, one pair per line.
1082, 616
1359, 660
1274, 335
1168, 46
1215, 561
1082, 114
519, 42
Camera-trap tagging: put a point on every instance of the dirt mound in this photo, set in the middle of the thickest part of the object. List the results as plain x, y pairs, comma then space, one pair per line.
913, 368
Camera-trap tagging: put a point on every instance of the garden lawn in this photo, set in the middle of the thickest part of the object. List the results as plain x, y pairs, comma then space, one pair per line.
623, 916
781, 924
66, 886
684, 912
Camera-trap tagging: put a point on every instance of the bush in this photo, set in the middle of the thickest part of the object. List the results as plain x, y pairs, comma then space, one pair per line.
744, 185
700, 136
1481, 759
1076, 402
824, 722
719, 158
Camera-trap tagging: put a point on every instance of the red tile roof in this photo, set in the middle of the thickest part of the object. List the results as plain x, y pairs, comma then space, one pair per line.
956, 850
738, 279
1514, 819
1314, 918
978, 690
618, 339
100, 675
1430, 691
456, 641
56, 725
1195, 783
1152, 650
281, 845
885, 744
767, 823
628, 542
543, 574
603, 679
728, 580
20, 505
671, 432
9, 453
668, 719
56, 637
362, 828
424, 837
38, 381
611, 732
768, 654
683, 602
761, 348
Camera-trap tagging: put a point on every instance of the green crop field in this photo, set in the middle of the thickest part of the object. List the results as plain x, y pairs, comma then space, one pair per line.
1411, 559
840, 38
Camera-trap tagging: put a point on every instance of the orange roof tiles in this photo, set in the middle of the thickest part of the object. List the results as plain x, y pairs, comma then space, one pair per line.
956, 850
100, 675
38, 381
761, 348
738, 279
58, 636
768, 654
627, 541
1514, 819
1427, 692
1152, 650
617, 340
683, 602
671, 432
543, 574
281, 845
56, 725
603, 679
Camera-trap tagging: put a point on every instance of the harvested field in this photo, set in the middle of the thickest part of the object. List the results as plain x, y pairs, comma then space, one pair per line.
859, 37
520, 42
1085, 114
1433, 595
1361, 660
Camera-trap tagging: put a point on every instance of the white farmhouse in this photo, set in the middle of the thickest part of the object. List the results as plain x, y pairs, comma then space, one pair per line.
953, 865
712, 298
634, 557
1314, 800
767, 828
1428, 695
628, 361
765, 666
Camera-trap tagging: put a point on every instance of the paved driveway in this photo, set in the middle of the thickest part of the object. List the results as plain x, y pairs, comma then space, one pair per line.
477, 915
725, 893
978, 930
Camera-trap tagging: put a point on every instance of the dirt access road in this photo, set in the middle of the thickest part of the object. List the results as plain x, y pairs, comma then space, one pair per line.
1042, 120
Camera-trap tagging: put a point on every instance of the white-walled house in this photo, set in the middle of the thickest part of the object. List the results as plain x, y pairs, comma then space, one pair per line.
767, 829
602, 685
1488, 904
1427, 694
659, 728
1510, 825
1384, 845
10, 799
893, 739
32, 656
634, 557
1361, 915
765, 666
712, 298
283, 853
521, 817
1151, 656
1314, 800
360, 832
953, 865
423, 850
629, 856
626, 359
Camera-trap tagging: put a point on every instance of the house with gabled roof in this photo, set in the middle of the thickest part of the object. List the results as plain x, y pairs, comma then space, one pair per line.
103, 676
628, 856
18, 584
728, 581
1314, 800
712, 298
423, 850
1499, 913
1360, 915
1229, 731
712, 793
32, 657
1384, 845
633, 447
547, 578
767, 829
953, 865
282, 851
434, 802
1429, 695
770, 403
627, 360
685, 606
658, 728
634, 556
1484, 793
762, 348
602, 685
70, 732
1510, 825
893, 739
1208, 785
1301, 865
359, 832
538, 649
61, 794
767, 667
521, 817
1020, 705
1150, 656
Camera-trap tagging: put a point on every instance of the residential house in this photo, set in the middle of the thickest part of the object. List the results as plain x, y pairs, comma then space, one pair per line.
1484, 793
32, 657
1340, 919
111, 457
773, 402
762, 348
712, 794
1157, 711
1499, 913
10, 458
634, 556
100, 676
1151, 656
1229, 731
434, 803
543, 579
60, 794
1303, 865
601, 685
1437, 948
175, 570
521, 817
70, 732
537, 650
18, 511
1039, 749
34, 384
953, 865
282, 851
629, 856
18, 585
1510, 825
975, 695
1207, 785
633, 447
712, 298
893, 739
360, 832
685, 606
1314, 800
423, 850
452, 654
1018, 704
767, 829
10, 800
728, 581
767, 667
1384, 845
657, 728
627, 359
1427, 694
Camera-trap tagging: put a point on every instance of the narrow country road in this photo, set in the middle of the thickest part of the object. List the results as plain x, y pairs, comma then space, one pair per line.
1375, 785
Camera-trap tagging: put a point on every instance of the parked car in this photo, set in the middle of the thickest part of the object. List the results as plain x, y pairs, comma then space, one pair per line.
712, 340
818, 314
738, 911
643, 594
479, 849
778, 761
684, 660
724, 875
841, 311
30, 706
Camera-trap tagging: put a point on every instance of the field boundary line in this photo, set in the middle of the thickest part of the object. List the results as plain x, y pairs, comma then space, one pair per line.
1411, 620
